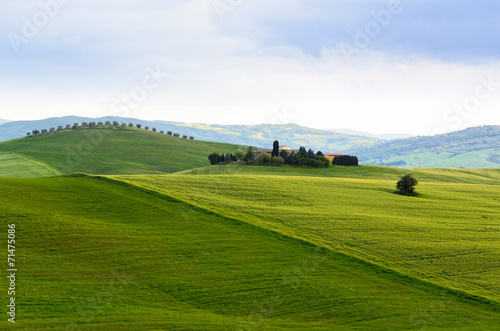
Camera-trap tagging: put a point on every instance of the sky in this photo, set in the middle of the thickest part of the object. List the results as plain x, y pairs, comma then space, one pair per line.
420, 67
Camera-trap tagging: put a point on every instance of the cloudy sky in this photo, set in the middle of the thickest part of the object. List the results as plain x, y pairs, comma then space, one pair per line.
419, 67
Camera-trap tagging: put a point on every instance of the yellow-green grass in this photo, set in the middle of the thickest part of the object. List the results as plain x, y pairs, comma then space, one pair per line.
18, 166
449, 234
128, 151
471, 176
94, 254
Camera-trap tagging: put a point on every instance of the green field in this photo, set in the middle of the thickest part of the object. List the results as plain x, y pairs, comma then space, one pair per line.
154, 239
129, 151
448, 235
95, 254
489, 176
18, 166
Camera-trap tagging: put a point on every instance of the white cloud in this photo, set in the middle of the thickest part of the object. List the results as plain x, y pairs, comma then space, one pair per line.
226, 72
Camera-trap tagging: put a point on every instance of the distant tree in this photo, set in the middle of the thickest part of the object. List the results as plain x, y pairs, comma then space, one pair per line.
75, 126
131, 125
59, 128
169, 133
177, 135
44, 131
292, 159
249, 155
138, 126
84, 124
92, 124
28, 133
108, 123
184, 137
68, 126
345, 160
154, 129
264, 158
319, 153
240, 155
52, 130
124, 125
406, 185
191, 137
276, 148
146, 127
302, 151
100, 123
214, 158
323, 161
115, 123
310, 154
162, 132
277, 160
284, 154
35, 132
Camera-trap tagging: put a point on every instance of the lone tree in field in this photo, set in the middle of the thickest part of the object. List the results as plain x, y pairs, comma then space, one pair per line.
406, 185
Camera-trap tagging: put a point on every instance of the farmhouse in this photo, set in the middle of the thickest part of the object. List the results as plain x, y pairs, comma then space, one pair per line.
331, 156
257, 152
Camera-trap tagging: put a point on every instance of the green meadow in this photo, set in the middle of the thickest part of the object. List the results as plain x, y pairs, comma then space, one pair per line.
448, 235
96, 254
147, 237
19, 166
124, 151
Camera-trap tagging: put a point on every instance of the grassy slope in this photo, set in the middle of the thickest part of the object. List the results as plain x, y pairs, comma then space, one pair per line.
97, 255
131, 151
18, 166
469, 176
448, 235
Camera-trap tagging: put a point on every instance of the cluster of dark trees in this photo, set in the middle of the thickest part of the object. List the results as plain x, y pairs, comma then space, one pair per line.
301, 158
306, 157
108, 124
216, 158
345, 160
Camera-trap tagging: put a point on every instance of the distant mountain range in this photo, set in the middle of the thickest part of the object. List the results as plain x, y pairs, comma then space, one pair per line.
477, 147
387, 136
262, 135
2, 121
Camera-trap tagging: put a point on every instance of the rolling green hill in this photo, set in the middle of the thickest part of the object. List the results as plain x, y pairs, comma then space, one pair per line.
129, 151
248, 135
94, 254
448, 235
